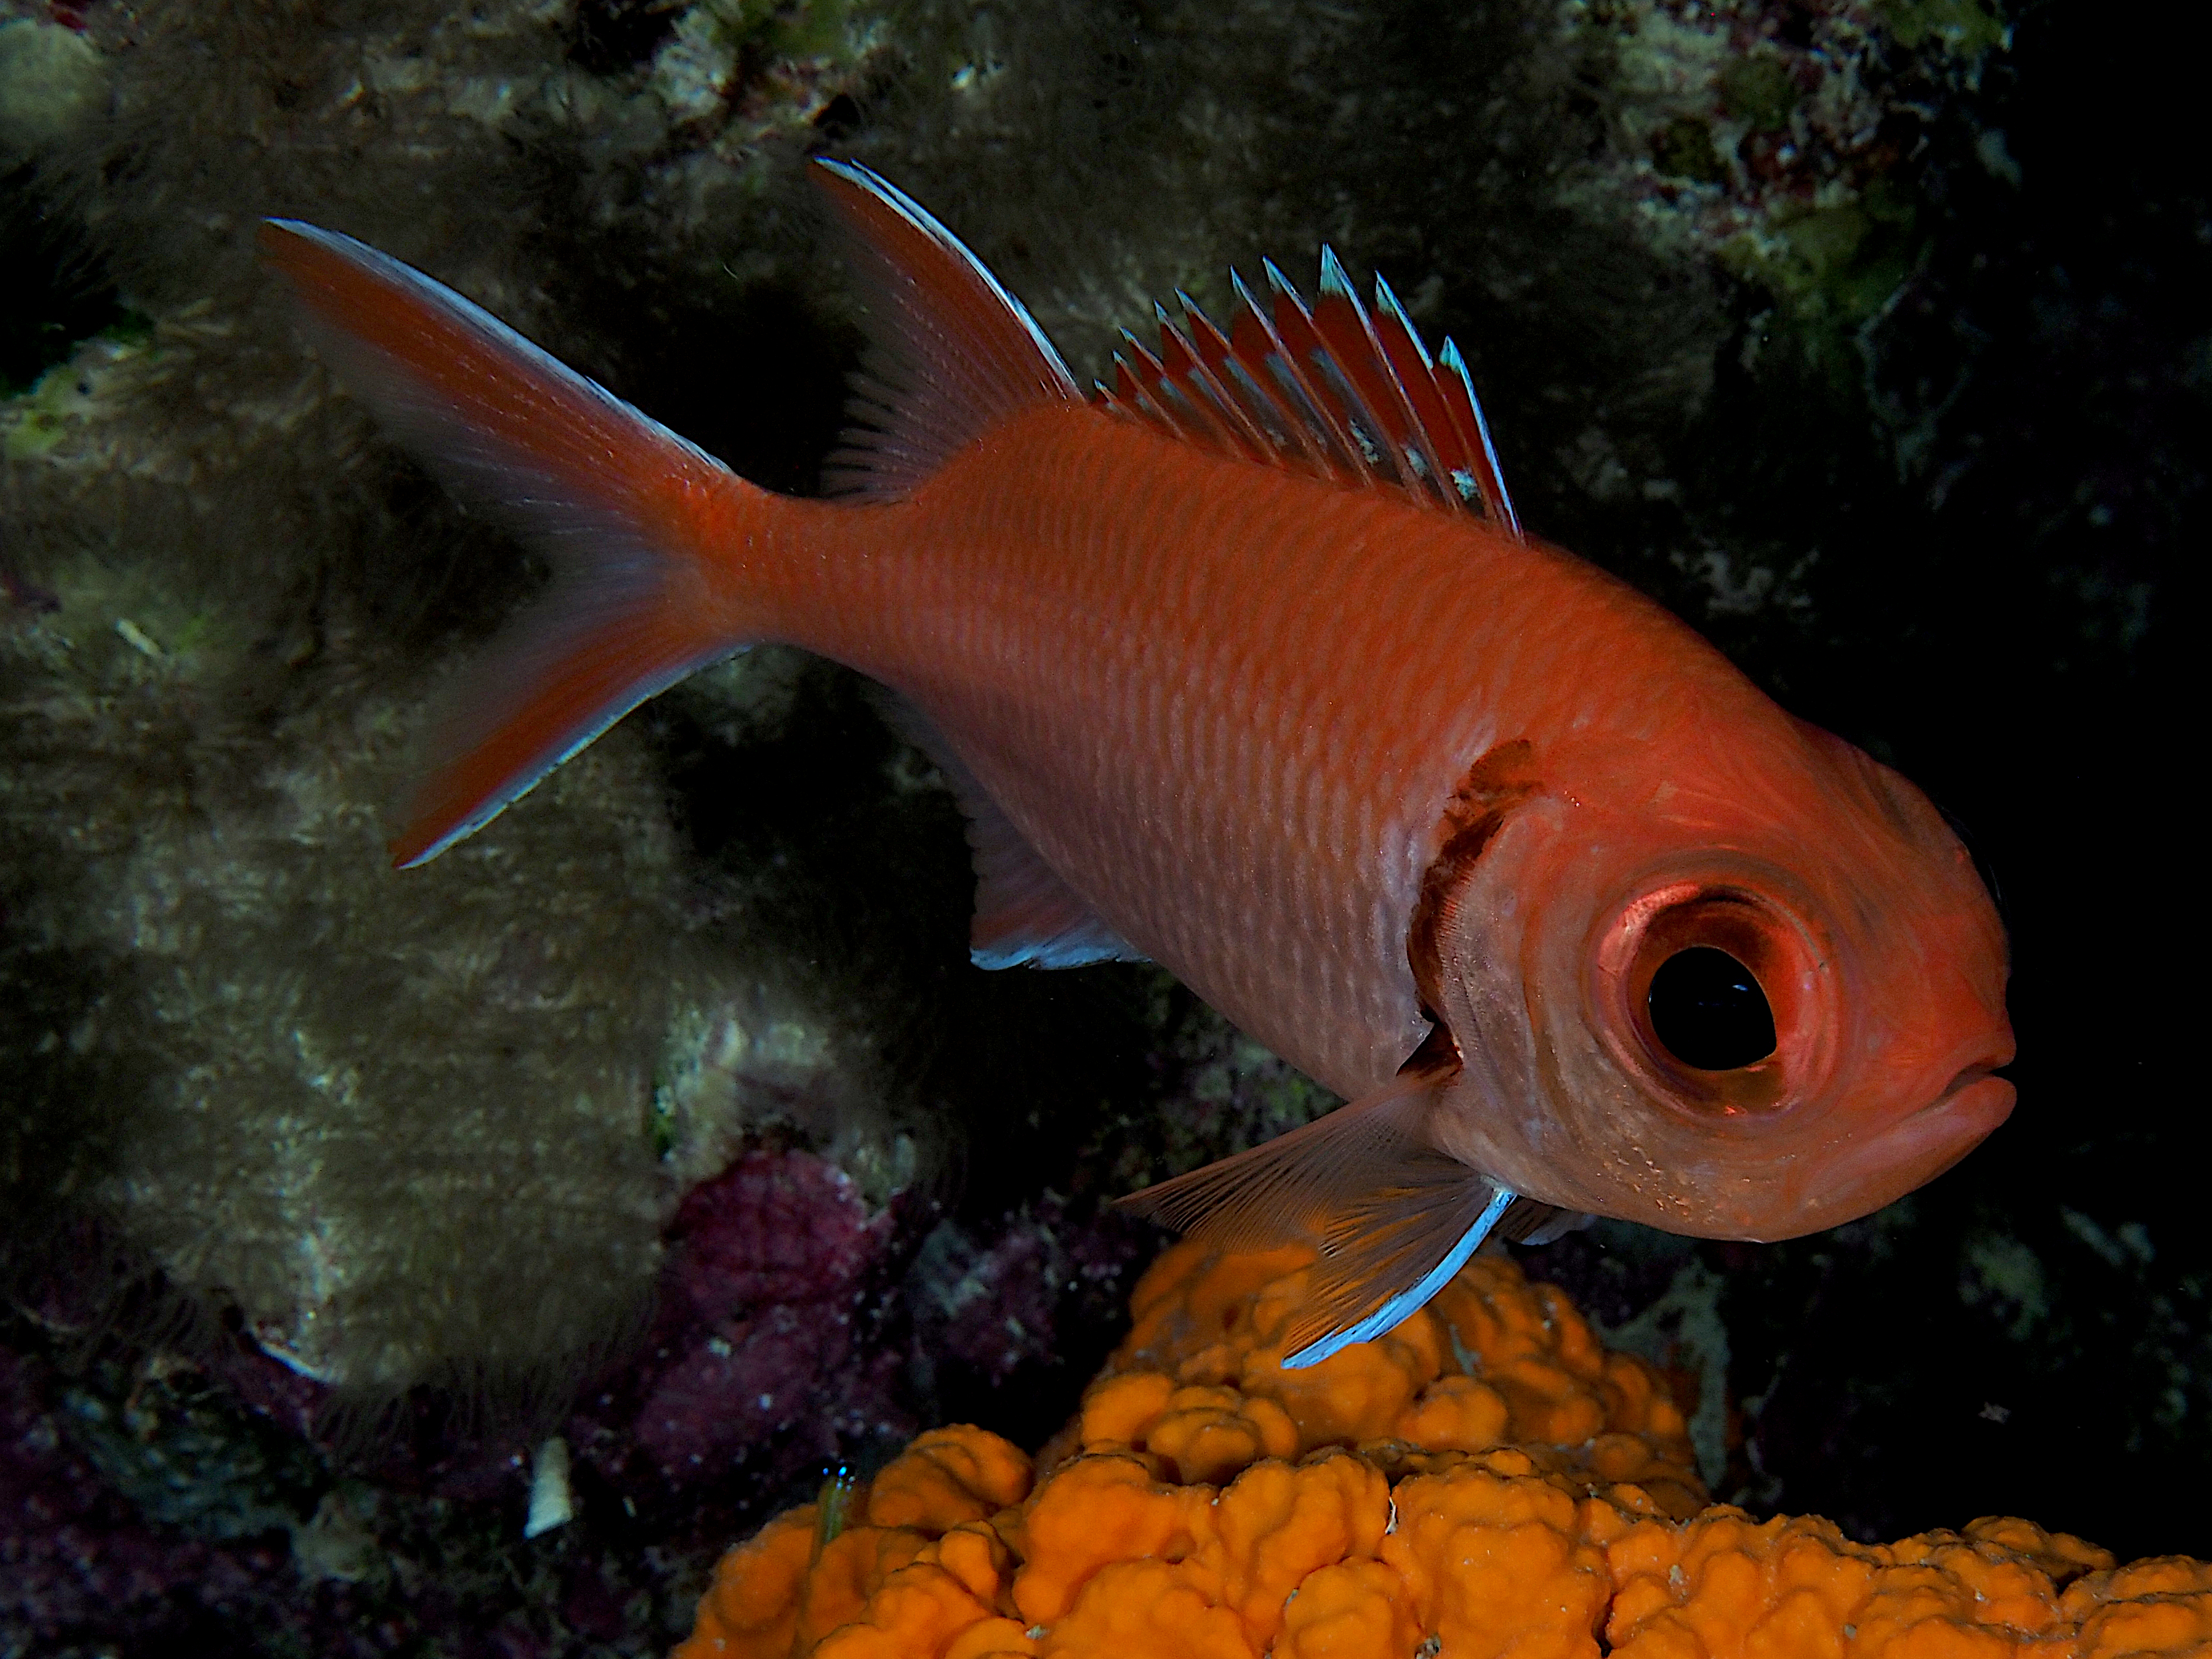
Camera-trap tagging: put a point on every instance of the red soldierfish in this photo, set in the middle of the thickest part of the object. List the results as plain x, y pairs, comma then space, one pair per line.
1244, 665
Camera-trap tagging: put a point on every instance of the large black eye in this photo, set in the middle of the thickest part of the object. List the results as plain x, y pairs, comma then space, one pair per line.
1708, 1011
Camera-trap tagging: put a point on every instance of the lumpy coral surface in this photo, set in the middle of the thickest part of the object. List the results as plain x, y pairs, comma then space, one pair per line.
1488, 1479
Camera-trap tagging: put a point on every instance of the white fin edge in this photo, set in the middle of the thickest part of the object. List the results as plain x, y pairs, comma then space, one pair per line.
950, 352
1025, 915
1407, 1303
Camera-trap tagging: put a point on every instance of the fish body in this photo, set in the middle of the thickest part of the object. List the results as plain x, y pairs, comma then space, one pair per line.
1192, 695
1246, 667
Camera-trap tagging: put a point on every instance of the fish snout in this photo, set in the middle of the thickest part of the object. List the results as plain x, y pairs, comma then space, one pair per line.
1974, 1101
1958, 1115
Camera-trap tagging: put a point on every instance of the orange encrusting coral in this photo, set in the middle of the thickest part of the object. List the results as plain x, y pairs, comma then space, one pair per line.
1487, 1481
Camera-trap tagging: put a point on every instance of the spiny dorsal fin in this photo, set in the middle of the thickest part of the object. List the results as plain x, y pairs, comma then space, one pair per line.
1335, 392
952, 352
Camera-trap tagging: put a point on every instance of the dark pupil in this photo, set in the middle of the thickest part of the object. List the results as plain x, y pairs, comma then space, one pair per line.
1708, 1011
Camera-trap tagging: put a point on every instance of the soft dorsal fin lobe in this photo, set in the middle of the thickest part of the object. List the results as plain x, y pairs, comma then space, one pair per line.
1395, 1217
951, 353
622, 507
1335, 392
1025, 915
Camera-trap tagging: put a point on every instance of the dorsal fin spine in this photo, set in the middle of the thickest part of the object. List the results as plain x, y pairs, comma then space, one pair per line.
1344, 355
1218, 357
1193, 406
1187, 418
1417, 378
1338, 392
1188, 370
1491, 480
1402, 415
1131, 386
1260, 348
1299, 343
1386, 302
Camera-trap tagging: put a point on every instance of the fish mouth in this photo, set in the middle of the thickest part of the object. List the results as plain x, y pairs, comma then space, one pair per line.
1922, 1145
1975, 1104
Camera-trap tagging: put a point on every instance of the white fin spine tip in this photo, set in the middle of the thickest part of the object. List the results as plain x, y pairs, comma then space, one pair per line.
1340, 391
1386, 302
1306, 353
1492, 481
1408, 355
1361, 360
1245, 367
1423, 453
1333, 277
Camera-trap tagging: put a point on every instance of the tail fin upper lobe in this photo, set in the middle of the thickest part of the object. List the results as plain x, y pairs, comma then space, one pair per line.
629, 513
648, 534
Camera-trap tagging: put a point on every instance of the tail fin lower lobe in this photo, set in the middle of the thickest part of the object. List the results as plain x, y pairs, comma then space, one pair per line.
622, 506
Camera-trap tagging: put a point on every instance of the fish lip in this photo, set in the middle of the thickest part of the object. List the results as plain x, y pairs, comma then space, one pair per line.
1932, 1139
1977, 1096
1974, 1065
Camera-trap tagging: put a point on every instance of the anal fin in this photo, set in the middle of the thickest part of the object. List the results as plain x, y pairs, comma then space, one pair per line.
1395, 1217
1025, 915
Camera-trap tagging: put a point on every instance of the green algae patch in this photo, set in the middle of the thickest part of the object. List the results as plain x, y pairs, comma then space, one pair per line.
1758, 91
1965, 28
1684, 149
1835, 263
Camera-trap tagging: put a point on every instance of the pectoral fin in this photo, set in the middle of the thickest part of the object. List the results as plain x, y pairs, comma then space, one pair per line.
1395, 1217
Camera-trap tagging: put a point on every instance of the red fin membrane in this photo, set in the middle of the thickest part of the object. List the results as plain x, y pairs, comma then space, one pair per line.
615, 500
951, 353
1395, 1217
1335, 392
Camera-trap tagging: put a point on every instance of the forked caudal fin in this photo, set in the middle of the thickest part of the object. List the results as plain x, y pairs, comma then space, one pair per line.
1395, 1217
643, 529
624, 509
